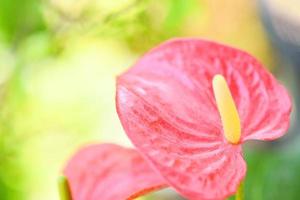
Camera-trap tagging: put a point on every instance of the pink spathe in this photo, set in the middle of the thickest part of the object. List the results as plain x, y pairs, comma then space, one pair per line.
167, 107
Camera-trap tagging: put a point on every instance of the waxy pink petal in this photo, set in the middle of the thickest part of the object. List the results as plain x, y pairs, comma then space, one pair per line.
110, 172
167, 108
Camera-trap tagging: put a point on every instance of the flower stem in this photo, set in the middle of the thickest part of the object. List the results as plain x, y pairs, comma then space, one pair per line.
240, 192
64, 189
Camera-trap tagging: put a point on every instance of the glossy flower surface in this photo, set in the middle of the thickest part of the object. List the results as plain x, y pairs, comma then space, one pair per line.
110, 172
179, 105
168, 109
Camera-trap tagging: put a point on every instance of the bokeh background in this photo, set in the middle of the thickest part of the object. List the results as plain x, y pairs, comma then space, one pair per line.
59, 60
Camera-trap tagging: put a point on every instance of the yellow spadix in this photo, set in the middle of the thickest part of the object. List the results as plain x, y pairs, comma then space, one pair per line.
227, 109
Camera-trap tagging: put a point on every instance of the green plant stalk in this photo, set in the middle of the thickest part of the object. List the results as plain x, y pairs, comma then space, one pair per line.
64, 189
240, 192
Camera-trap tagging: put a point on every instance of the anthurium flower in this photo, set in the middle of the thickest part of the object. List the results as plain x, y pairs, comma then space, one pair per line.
189, 104
110, 172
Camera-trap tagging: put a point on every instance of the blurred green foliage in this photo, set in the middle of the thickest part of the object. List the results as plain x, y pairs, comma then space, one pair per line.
18, 19
273, 174
59, 60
